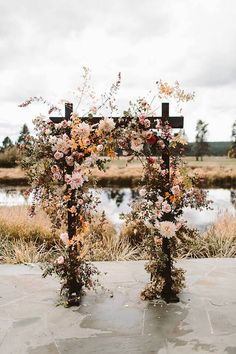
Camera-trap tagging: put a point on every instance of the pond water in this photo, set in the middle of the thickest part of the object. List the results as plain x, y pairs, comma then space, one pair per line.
115, 201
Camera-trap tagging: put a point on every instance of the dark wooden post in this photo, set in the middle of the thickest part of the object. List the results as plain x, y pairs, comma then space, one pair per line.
167, 292
74, 286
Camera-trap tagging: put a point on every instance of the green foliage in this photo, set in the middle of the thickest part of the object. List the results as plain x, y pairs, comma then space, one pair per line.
232, 150
201, 147
6, 143
23, 133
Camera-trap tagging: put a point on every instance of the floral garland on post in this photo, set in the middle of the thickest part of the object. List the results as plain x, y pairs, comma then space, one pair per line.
163, 193
58, 162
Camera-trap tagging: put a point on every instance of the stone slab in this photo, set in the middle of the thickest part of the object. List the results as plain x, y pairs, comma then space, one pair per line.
204, 321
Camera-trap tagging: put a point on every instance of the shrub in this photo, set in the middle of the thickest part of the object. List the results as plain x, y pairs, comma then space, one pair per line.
9, 157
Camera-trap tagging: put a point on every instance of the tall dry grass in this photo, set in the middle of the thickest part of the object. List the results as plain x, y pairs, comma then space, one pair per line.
26, 240
15, 223
219, 240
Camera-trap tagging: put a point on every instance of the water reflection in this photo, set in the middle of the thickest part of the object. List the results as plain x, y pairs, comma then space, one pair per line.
115, 201
233, 197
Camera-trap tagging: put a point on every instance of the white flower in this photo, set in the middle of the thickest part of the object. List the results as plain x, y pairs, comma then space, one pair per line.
166, 208
52, 139
142, 192
74, 115
83, 130
99, 147
75, 181
106, 124
48, 131
137, 144
167, 229
60, 260
175, 189
58, 155
160, 199
147, 123
62, 144
64, 237
93, 109
158, 125
90, 160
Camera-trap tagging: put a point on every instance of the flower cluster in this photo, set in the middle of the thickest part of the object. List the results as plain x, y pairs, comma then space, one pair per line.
58, 160
165, 188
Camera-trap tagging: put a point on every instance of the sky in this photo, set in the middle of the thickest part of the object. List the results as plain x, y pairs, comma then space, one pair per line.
45, 43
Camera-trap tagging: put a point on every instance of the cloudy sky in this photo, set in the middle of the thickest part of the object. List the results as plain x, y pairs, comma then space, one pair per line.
45, 43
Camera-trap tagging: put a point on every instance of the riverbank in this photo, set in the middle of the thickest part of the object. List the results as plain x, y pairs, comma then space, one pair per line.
212, 172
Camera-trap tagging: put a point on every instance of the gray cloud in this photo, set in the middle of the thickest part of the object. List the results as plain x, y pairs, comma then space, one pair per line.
44, 44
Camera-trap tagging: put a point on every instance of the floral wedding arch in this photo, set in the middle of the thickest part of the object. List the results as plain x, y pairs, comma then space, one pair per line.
58, 160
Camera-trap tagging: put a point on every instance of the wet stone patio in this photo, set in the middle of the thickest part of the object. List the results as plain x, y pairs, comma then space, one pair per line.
204, 321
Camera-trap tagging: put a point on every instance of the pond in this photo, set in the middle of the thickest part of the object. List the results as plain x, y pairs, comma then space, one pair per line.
115, 201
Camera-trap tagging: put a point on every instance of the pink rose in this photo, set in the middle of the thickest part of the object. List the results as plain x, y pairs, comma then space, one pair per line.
58, 155
147, 123
166, 208
60, 260
70, 160
141, 119
151, 160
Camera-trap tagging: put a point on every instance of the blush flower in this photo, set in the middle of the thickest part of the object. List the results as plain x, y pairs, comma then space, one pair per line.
167, 229
83, 130
64, 237
106, 125
58, 155
70, 160
141, 119
142, 192
75, 181
147, 123
62, 144
99, 147
175, 190
166, 208
93, 109
60, 260
137, 144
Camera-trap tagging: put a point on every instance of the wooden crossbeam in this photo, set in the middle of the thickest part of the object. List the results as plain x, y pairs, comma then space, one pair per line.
175, 122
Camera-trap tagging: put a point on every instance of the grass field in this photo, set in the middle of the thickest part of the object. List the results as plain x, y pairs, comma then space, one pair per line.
214, 171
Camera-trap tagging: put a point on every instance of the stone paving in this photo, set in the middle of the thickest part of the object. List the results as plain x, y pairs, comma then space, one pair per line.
204, 321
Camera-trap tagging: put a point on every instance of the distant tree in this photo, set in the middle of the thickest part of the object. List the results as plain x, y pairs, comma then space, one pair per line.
201, 144
6, 143
24, 131
232, 151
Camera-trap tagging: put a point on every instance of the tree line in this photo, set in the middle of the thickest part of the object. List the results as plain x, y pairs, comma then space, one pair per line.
201, 146
7, 143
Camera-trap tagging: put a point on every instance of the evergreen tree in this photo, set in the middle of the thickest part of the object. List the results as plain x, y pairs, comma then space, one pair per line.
232, 151
201, 144
6, 143
24, 131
